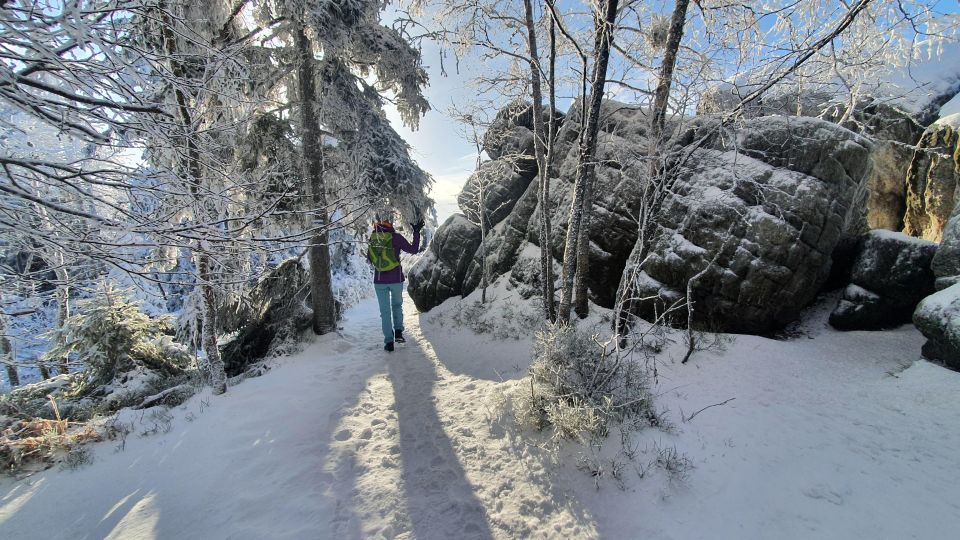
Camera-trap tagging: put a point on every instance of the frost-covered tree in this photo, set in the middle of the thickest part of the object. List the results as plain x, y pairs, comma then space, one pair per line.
346, 60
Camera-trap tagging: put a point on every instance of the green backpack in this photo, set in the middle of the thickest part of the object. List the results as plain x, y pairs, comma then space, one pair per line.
381, 251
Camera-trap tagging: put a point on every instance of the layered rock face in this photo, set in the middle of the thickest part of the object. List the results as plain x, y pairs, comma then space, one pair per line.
893, 131
938, 316
753, 222
764, 205
891, 274
938, 319
932, 180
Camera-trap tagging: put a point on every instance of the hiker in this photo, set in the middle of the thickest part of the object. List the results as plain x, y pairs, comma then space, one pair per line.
384, 254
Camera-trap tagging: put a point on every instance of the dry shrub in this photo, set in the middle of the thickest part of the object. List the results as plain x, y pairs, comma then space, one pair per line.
579, 386
40, 441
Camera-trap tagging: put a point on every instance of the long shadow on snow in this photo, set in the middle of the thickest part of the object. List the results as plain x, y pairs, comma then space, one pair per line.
158, 505
440, 499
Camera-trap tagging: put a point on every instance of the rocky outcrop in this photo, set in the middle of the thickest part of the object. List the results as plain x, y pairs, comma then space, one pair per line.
724, 97
753, 223
938, 315
890, 275
946, 263
938, 319
932, 180
496, 186
764, 204
273, 309
510, 136
440, 272
894, 133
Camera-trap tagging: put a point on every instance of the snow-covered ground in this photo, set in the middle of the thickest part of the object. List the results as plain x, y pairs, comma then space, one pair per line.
830, 435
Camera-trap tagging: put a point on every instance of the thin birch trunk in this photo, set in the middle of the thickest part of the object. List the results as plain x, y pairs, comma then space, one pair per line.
588, 147
321, 281
546, 238
541, 141
654, 190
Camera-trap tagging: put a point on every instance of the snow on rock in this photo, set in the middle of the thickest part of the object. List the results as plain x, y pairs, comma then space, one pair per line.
766, 217
951, 120
510, 135
938, 318
497, 185
891, 274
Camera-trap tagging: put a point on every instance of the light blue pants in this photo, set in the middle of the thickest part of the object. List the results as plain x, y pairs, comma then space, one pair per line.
390, 298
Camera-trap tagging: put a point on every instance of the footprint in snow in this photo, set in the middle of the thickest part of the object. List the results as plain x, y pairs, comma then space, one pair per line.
825, 492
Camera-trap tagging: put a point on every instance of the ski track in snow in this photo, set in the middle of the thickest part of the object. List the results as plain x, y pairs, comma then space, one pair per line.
829, 437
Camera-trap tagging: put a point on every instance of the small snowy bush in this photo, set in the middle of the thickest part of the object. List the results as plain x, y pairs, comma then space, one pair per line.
580, 385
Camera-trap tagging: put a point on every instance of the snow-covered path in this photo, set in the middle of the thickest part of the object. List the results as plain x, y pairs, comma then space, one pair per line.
343, 440
829, 437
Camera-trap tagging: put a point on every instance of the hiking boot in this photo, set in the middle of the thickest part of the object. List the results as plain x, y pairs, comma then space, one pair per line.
398, 336
388, 347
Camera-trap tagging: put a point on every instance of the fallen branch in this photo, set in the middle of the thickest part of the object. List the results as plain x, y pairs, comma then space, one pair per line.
689, 418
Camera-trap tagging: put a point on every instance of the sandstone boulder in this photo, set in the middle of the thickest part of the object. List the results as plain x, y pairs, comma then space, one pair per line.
765, 204
890, 275
440, 272
753, 224
946, 263
496, 187
932, 180
938, 319
510, 135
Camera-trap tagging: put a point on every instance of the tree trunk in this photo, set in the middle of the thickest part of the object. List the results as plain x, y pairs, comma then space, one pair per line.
654, 191
547, 237
63, 308
321, 282
540, 143
581, 305
218, 377
588, 147
194, 171
6, 353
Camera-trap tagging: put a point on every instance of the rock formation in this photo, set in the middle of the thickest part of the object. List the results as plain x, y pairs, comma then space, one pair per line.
273, 309
891, 274
765, 203
938, 316
439, 273
938, 319
764, 208
932, 180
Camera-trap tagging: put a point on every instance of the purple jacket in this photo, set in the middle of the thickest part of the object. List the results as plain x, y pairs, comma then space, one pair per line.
399, 244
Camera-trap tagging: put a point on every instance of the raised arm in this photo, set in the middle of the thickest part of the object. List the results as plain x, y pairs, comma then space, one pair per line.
401, 242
